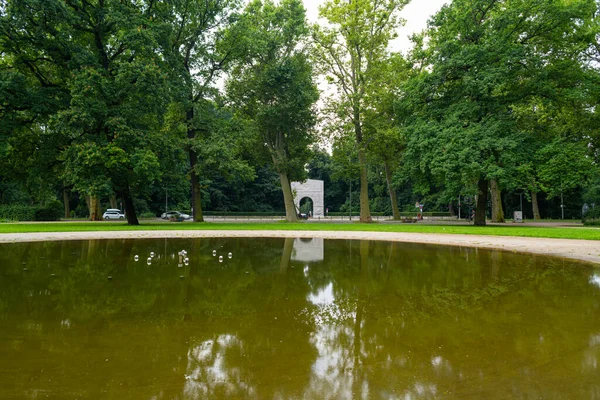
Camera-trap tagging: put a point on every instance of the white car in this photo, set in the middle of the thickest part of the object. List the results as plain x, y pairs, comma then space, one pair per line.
175, 215
113, 213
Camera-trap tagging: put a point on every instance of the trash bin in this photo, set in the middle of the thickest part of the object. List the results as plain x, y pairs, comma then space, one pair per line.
518, 216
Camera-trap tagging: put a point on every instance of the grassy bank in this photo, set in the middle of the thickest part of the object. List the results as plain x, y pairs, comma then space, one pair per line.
508, 230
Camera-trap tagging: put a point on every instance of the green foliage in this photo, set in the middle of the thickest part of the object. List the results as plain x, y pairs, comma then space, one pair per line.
352, 53
485, 60
147, 215
243, 214
323, 167
111, 98
274, 90
354, 211
592, 217
17, 212
95, 92
591, 194
566, 166
51, 212
220, 146
402, 214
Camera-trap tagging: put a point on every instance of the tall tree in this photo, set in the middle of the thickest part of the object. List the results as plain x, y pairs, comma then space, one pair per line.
350, 51
274, 89
32, 90
386, 139
484, 58
102, 57
198, 46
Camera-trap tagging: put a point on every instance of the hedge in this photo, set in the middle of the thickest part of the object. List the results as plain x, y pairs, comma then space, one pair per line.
402, 214
329, 214
20, 212
592, 217
17, 212
242, 214
354, 213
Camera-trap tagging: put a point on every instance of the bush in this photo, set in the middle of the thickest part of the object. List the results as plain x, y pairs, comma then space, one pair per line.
354, 213
52, 212
592, 217
17, 212
20, 212
241, 214
402, 214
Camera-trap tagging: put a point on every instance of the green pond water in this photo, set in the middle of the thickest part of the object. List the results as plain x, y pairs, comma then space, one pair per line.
294, 319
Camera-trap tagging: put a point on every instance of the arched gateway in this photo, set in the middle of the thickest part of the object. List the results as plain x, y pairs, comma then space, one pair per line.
313, 189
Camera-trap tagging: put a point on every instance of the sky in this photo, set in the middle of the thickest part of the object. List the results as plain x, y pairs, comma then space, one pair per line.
416, 14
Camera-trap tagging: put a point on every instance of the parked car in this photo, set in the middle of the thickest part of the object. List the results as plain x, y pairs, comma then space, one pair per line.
175, 215
113, 213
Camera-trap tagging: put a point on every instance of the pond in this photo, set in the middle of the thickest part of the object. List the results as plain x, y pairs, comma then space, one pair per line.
293, 319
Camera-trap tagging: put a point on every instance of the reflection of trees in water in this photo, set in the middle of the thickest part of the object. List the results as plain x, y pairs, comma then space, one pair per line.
373, 319
352, 363
333, 371
210, 376
432, 324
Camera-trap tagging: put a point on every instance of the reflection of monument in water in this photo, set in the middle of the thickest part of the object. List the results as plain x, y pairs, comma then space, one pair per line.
308, 250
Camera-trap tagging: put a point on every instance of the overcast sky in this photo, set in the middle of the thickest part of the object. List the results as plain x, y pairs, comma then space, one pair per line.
416, 14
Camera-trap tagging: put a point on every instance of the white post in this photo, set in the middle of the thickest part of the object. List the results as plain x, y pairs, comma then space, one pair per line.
562, 206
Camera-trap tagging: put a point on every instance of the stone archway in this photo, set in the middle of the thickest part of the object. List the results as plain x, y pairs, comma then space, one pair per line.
314, 190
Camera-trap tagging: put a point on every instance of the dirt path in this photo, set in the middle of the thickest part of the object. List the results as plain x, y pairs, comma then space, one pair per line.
582, 250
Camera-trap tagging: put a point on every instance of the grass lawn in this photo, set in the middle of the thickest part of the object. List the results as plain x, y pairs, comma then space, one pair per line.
508, 230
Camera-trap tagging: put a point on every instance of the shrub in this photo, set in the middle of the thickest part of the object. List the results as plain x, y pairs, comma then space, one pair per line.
354, 213
592, 217
147, 215
52, 212
242, 214
17, 212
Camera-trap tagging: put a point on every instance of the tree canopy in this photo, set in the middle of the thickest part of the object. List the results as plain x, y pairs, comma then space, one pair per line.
213, 105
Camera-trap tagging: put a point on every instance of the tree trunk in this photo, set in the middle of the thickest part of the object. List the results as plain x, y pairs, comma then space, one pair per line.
129, 207
393, 200
94, 207
197, 214
451, 209
279, 158
113, 201
497, 211
365, 211
291, 214
481, 202
196, 194
66, 199
536, 207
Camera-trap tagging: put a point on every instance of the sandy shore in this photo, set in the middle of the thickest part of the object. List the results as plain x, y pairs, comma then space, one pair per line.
582, 250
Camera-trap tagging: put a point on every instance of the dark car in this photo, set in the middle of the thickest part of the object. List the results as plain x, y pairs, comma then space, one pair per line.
174, 215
